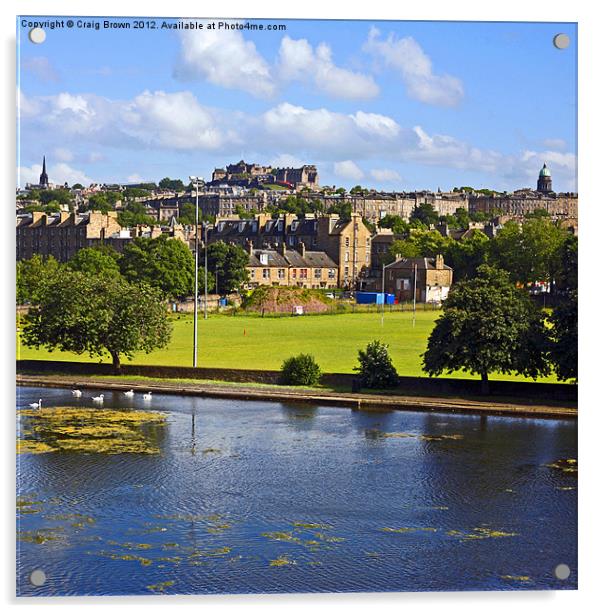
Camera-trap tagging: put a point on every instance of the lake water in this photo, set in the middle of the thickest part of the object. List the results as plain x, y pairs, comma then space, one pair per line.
269, 497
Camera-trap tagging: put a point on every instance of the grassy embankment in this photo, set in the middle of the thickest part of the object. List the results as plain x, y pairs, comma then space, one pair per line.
244, 341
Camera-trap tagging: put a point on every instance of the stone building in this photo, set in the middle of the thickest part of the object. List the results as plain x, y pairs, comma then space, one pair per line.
250, 175
433, 279
62, 235
288, 267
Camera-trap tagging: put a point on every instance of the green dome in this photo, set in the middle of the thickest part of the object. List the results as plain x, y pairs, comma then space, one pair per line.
544, 172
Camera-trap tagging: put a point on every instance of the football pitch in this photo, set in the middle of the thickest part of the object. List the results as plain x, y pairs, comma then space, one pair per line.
244, 341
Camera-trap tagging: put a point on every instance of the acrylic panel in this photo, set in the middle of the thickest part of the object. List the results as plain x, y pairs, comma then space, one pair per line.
296, 306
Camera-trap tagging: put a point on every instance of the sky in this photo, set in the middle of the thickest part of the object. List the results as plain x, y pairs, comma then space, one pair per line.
389, 105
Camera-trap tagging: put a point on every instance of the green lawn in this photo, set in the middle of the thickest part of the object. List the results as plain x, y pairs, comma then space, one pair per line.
263, 343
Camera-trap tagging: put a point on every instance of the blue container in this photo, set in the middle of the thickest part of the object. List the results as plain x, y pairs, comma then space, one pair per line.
389, 298
369, 298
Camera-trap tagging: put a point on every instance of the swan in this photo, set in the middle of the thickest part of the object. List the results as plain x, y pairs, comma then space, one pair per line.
148, 396
36, 405
77, 393
99, 398
129, 394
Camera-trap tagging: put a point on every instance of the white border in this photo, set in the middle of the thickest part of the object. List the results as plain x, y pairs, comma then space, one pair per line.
590, 203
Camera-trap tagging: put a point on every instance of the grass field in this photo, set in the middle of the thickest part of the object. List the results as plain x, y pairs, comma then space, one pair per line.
264, 343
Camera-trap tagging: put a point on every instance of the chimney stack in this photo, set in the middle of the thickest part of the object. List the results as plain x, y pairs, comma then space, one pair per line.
250, 247
439, 262
302, 249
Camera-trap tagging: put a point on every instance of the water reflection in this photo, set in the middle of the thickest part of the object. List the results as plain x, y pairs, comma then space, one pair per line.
348, 501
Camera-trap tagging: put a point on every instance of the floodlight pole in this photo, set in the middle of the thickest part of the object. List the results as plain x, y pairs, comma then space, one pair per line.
196, 275
205, 270
415, 275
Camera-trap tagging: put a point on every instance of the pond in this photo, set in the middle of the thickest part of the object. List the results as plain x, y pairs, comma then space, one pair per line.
192, 495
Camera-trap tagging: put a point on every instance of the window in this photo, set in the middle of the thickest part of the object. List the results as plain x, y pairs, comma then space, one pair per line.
346, 241
317, 273
281, 273
331, 273
346, 271
346, 256
294, 272
266, 273
252, 273
303, 273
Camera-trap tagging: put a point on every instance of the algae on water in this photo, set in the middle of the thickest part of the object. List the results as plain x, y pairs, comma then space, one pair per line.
85, 430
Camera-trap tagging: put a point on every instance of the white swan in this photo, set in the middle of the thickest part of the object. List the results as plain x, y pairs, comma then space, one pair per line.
36, 405
77, 393
129, 394
99, 398
148, 396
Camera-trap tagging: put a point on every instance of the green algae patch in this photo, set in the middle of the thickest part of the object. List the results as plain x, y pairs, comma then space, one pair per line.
286, 537
479, 534
33, 446
406, 530
160, 587
28, 507
566, 465
84, 430
327, 538
282, 561
310, 526
212, 553
420, 437
522, 578
41, 536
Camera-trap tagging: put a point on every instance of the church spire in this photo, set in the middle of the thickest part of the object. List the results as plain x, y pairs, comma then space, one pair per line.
44, 175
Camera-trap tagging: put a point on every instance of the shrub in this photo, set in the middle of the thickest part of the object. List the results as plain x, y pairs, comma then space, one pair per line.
376, 369
301, 369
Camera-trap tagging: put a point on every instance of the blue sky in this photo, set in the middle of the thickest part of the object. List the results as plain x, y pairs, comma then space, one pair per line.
392, 105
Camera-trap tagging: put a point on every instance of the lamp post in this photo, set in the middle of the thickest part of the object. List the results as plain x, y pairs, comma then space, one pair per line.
196, 181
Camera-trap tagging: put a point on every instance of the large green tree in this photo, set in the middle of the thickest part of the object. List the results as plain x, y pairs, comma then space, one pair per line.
164, 263
135, 214
564, 349
96, 261
98, 315
229, 264
33, 275
488, 325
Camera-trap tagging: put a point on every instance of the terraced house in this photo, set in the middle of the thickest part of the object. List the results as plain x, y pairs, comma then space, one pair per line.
294, 267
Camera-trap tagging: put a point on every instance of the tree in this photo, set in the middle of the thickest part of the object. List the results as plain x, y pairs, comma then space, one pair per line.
466, 255
98, 315
164, 263
33, 275
531, 252
96, 261
425, 213
229, 263
395, 223
488, 325
175, 185
62, 196
566, 279
135, 214
342, 209
564, 350
99, 202
376, 368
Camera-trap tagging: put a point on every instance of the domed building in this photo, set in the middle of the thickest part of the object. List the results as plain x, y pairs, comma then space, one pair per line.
544, 183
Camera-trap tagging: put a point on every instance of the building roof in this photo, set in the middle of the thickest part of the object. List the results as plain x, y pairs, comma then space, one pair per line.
545, 172
420, 263
291, 257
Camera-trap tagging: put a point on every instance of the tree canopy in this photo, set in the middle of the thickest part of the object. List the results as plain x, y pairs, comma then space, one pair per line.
164, 263
96, 261
229, 264
32, 277
488, 325
564, 348
176, 185
98, 315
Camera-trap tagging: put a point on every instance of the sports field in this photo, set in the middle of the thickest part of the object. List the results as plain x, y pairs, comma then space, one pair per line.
239, 341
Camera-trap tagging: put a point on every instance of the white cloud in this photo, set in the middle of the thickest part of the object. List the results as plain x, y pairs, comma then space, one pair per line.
558, 144
57, 173
286, 160
62, 155
298, 61
135, 178
40, 67
348, 169
226, 59
406, 57
385, 175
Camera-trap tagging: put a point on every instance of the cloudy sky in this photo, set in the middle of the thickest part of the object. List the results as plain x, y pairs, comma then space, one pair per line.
392, 105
